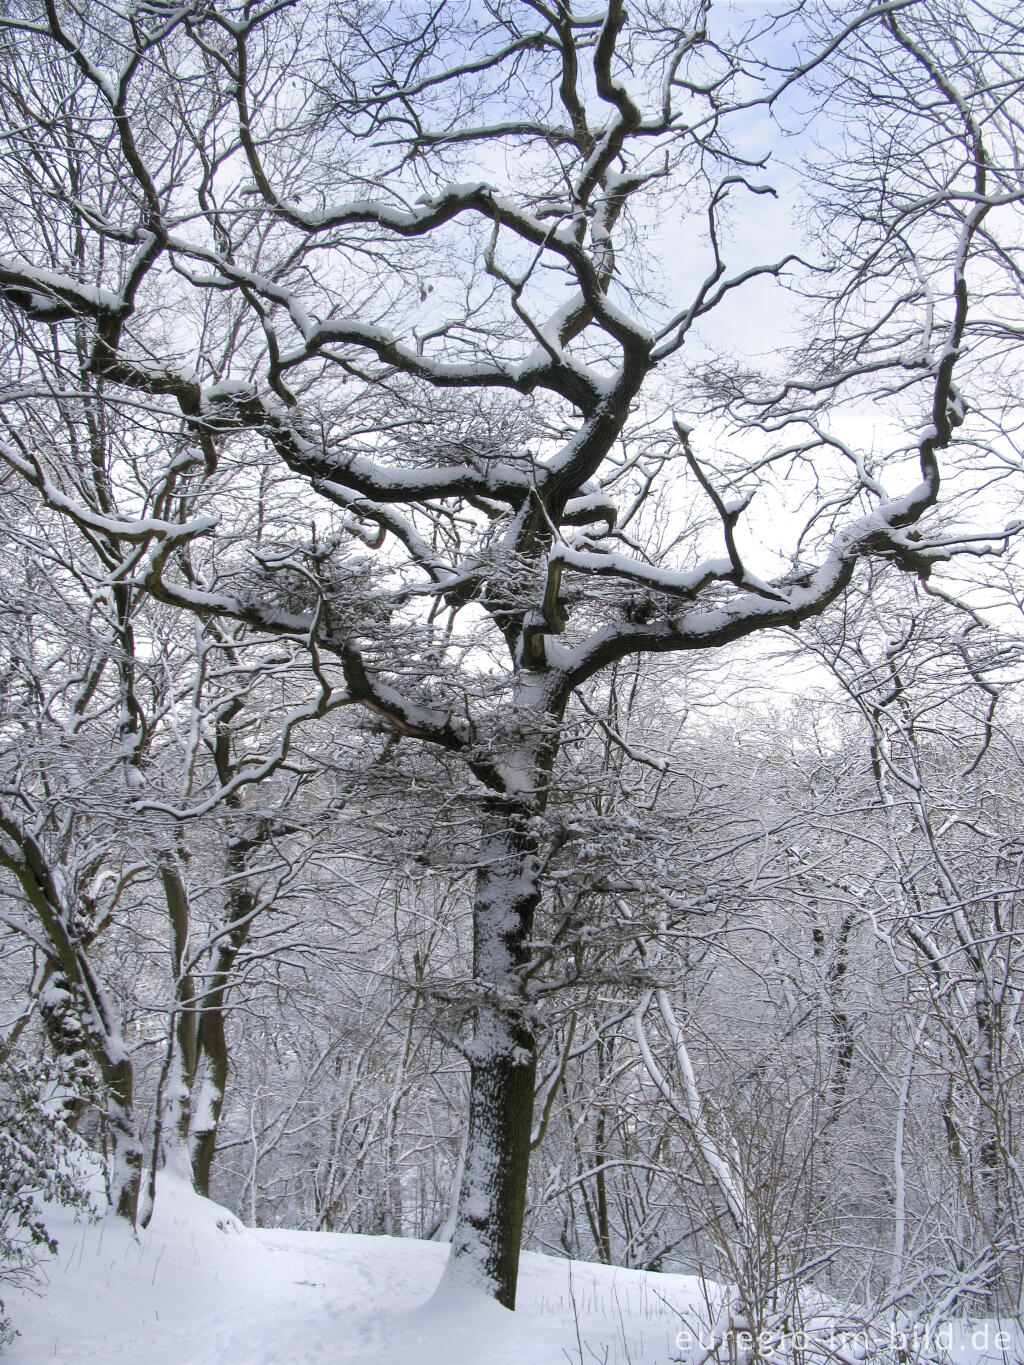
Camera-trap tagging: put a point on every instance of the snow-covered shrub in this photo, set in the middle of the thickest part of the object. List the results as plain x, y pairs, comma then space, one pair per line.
39, 1163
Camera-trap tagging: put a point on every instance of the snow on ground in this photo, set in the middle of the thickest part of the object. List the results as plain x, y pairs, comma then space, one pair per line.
197, 1288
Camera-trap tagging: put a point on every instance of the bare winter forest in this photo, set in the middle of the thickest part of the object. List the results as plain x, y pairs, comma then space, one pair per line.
511, 662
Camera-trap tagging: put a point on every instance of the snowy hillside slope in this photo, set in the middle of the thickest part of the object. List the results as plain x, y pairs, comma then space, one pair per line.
198, 1288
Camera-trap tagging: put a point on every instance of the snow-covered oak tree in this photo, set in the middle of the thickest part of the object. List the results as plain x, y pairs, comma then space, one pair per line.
426, 276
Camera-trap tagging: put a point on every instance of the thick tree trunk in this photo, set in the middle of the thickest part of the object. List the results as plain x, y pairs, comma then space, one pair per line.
492, 1203
65, 1035
492, 1200
74, 1014
208, 1104
211, 1040
174, 1092
74, 989
125, 1182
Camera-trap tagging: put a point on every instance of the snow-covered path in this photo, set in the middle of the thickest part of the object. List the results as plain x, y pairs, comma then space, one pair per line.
199, 1289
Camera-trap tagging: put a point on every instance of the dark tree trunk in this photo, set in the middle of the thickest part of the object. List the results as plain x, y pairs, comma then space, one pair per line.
492, 1200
